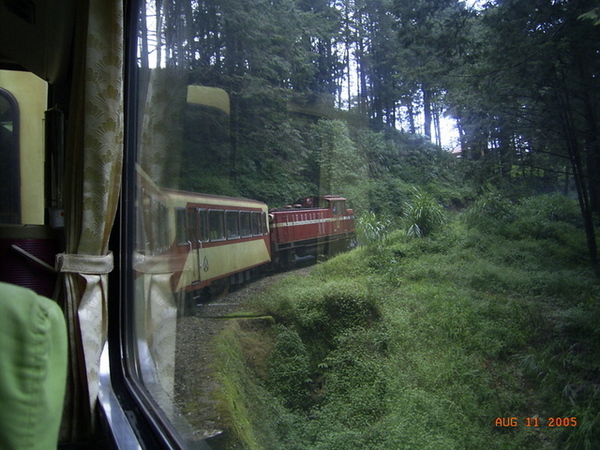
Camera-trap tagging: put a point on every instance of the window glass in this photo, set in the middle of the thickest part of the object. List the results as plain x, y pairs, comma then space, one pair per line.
10, 199
339, 207
203, 224
24, 191
216, 225
192, 225
181, 222
256, 228
232, 224
245, 229
232, 121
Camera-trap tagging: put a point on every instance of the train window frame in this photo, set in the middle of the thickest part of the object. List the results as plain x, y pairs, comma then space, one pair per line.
220, 229
191, 225
202, 224
181, 229
245, 221
13, 155
131, 411
232, 218
163, 227
157, 421
255, 223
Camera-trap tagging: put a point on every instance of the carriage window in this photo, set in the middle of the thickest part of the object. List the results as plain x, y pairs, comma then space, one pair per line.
181, 228
233, 225
203, 224
192, 225
161, 227
245, 229
256, 228
216, 225
10, 199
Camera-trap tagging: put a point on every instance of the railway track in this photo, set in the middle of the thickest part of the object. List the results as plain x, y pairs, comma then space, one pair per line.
195, 385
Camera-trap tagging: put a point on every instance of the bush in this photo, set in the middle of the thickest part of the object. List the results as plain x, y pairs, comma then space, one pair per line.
548, 216
553, 217
423, 214
371, 228
490, 213
289, 368
552, 207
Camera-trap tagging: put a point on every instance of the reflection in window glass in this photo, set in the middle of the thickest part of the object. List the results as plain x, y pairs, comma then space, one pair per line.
232, 117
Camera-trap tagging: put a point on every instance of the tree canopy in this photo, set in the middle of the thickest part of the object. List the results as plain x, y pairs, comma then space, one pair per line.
519, 78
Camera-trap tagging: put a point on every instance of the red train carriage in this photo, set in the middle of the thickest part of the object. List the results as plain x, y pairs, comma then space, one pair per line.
318, 225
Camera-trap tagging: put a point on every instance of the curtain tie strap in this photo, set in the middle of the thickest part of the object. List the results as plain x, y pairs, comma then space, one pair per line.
88, 264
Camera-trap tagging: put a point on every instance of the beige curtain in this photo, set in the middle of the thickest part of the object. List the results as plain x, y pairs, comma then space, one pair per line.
94, 162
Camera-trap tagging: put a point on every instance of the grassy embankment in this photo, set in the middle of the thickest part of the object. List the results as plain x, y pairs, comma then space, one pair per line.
423, 343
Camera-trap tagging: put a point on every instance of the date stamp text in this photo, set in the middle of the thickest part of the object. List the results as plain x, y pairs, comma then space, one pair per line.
536, 422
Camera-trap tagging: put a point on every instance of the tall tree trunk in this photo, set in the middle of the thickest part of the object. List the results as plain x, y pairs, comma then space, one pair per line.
579, 177
592, 141
436, 127
593, 173
411, 118
505, 148
426, 111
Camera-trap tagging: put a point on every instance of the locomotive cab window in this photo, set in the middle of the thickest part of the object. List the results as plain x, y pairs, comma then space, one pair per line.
339, 207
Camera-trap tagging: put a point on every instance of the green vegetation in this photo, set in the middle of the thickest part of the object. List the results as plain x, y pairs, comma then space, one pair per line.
425, 342
469, 299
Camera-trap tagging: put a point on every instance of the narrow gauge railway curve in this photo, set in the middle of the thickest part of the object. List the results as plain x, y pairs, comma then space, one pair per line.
209, 242
194, 386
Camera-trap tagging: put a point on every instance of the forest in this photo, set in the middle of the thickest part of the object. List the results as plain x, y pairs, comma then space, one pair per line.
474, 293
351, 97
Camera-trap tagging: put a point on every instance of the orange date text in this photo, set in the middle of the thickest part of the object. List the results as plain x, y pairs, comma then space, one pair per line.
536, 422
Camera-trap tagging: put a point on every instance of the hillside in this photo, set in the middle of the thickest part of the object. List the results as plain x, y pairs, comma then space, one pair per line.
482, 334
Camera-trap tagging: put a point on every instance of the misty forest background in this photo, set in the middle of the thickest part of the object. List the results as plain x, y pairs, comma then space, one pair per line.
474, 294
349, 97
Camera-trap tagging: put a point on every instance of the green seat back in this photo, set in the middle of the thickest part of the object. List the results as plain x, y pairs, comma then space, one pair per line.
33, 368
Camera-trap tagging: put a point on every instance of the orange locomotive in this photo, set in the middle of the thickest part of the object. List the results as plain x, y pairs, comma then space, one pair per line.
313, 226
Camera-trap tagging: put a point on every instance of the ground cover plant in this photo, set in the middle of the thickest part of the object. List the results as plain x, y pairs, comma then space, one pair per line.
427, 342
